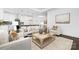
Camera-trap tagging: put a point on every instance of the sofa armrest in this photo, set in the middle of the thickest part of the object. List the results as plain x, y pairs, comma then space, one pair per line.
20, 44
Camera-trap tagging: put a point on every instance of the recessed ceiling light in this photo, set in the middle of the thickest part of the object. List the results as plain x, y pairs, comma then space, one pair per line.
41, 16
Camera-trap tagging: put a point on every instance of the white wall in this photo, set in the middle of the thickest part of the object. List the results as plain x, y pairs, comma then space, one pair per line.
1, 13
71, 29
38, 20
25, 19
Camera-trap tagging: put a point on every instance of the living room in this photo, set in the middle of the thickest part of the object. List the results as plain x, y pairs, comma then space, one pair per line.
39, 28
69, 30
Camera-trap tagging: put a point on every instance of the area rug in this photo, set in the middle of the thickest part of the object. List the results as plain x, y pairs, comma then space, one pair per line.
59, 43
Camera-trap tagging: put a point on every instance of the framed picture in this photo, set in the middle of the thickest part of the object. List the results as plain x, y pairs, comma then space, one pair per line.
62, 18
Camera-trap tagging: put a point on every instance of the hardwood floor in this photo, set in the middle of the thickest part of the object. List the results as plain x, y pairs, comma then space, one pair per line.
75, 45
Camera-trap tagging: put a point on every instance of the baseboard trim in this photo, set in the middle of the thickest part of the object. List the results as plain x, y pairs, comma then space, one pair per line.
68, 36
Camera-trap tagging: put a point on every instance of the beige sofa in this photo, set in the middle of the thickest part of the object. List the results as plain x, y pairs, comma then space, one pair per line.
20, 44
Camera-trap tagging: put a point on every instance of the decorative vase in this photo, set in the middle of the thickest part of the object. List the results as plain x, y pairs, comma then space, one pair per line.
40, 31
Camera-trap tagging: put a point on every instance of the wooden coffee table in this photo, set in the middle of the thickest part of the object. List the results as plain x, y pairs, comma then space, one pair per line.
42, 40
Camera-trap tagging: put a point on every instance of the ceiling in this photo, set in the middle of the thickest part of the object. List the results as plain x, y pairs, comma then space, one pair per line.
41, 9
27, 11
